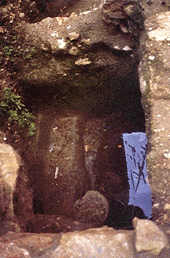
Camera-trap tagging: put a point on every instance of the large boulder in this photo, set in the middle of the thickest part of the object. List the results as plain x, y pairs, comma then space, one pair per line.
9, 168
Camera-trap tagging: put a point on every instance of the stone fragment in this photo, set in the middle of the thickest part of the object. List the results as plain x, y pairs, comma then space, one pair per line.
98, 243
92, 208
149, 237
86, 41
61, 44
73, 35
167, 206
21, 15
73, 51
82, 62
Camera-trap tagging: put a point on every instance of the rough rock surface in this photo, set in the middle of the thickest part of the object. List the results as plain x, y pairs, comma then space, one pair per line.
9, 168
87, 44
155, 87
92, 208
156, 240
94, 242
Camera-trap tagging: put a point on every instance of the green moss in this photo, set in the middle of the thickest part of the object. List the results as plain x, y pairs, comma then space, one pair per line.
8, 51
12, 108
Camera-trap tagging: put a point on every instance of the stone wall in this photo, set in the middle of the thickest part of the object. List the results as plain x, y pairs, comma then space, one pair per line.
154, 72
147, 240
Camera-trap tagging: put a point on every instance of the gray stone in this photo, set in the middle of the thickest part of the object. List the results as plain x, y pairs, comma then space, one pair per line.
149, 237
92, 208
103, 242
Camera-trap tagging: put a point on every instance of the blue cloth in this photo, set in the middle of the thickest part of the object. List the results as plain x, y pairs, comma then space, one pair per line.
135, 146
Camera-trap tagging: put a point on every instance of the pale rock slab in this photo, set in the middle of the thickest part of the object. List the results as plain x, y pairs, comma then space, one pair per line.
149, 237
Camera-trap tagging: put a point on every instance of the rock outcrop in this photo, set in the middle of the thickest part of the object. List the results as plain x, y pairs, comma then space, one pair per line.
94, 242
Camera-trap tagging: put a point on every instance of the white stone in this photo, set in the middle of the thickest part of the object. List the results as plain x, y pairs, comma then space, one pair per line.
56, 172
73, 35
62, 43
151, 58
54, 34
167, 155
21, 15
127, 48
82, 61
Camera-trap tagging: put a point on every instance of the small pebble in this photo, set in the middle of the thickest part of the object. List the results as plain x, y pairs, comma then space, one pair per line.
21, 15
167, 206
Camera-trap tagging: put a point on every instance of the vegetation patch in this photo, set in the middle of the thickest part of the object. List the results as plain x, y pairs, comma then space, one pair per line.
14, 110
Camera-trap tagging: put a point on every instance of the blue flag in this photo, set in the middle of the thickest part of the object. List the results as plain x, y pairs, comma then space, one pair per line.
135, 145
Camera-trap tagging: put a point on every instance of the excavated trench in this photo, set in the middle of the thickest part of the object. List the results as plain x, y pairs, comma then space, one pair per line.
78, 149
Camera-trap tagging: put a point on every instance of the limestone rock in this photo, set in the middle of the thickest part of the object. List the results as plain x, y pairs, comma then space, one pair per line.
9, 168
99, 243
149, 237
92, 208
103, 242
